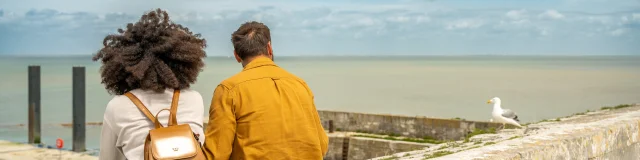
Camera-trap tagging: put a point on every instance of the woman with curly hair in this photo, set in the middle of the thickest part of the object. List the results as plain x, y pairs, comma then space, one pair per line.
149, 59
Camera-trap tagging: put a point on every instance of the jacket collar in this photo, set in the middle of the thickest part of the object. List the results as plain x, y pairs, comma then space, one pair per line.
259, 62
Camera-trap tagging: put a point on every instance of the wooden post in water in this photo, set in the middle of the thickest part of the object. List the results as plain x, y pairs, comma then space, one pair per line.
34, 104
79, 109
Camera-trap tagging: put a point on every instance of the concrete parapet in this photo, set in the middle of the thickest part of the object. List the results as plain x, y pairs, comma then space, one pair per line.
415, 127
366, 148
606, 134
336, 146
345, 146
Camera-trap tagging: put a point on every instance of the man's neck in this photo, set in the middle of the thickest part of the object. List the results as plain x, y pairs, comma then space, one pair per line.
249, 60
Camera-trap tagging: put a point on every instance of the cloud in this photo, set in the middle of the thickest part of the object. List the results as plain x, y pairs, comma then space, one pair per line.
399, 19
551, 14
516, 17
629, 21
618, 32
516, 14
601, 19
464, 24
544, 31
340, 27
116, 17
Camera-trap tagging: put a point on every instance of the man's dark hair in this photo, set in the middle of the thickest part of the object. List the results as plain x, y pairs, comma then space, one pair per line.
152, 54
251, 39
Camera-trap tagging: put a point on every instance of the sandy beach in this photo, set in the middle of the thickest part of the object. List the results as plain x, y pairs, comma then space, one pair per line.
18, 151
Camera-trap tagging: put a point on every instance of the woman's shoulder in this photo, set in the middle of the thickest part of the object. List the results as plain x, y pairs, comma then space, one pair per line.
190, 93
121, 105
118, 101
122, 100
187, 95
191, 96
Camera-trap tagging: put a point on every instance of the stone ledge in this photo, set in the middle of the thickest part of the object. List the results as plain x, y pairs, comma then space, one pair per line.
407, 126
582, 137
605, 134
365, 148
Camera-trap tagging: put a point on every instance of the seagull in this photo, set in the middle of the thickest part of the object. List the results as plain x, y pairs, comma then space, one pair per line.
504, 116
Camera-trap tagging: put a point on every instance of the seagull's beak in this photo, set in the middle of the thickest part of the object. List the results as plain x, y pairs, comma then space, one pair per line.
489, 102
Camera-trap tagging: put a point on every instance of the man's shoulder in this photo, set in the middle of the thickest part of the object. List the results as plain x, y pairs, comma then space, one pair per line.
257, 74
234, 80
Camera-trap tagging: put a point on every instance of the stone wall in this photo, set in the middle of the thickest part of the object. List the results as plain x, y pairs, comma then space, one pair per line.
336, 142
618, 142
360, 148
366, 148
611, 134
627, 152
416, 127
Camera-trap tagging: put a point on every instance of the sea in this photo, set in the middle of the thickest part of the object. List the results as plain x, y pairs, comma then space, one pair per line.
535, 87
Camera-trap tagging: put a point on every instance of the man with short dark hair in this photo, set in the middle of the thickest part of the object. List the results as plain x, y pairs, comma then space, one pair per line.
263, 112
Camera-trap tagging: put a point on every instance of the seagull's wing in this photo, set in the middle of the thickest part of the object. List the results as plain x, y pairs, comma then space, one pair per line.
510, 114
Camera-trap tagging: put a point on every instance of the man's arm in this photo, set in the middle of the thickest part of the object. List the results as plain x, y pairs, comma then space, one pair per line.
221, 130
324, 140
322, 135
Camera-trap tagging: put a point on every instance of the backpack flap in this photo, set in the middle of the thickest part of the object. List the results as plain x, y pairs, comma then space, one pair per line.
173, 142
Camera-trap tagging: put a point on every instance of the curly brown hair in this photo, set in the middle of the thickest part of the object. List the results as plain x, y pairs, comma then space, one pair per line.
152, 54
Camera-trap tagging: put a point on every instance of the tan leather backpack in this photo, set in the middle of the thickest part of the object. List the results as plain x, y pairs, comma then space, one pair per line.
171, 142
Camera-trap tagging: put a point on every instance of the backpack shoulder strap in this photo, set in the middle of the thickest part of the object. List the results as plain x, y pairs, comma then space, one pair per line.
147, 148
174, 108
141, 107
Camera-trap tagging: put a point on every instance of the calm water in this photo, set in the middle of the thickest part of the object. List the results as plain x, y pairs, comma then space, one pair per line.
445, 87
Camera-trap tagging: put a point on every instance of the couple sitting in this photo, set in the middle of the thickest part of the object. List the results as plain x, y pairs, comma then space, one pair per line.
263, 112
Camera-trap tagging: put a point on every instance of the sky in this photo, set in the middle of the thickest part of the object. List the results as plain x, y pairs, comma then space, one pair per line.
340, 27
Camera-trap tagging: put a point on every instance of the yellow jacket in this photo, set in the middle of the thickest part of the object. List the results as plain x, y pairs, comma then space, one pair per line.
264, 112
